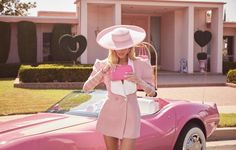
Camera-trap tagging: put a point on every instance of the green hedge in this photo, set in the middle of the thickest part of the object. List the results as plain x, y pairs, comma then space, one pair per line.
54, 72
231, 76
27, 42
58, 54
5, 41
9, 70
228, 66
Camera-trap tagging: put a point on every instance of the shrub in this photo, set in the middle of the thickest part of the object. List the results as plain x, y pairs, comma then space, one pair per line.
5, 38
202, 56
228, 66
27, 41
54, 72
58, 54
9, 70
231, 76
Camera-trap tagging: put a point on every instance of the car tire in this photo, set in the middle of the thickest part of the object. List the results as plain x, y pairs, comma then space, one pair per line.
191, 138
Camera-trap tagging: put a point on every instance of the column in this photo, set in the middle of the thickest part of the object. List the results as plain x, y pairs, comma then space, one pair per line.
117, 13
190, 37
83, 27
13, 56
78, 17
217, 37
234, 47
39, 43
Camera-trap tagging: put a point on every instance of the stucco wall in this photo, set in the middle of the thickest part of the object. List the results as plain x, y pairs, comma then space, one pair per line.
42, 28
229, 31
199, 24
13, 56
180, 50
174, 47
102, 17
174, 31
167, 44
56, 14
155, 37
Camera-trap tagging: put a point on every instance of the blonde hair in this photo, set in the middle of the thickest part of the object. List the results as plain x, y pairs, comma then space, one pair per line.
113, 58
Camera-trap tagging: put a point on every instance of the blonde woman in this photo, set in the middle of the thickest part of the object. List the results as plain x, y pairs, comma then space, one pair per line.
119, 119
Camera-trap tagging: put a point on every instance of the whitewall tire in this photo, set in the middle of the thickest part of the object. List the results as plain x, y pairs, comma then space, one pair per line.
191, 138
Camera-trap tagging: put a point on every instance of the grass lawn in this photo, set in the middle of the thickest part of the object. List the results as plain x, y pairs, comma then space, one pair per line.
227, 120
18, 101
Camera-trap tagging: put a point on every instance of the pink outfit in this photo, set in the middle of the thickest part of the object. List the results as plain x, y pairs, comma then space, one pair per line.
120, 115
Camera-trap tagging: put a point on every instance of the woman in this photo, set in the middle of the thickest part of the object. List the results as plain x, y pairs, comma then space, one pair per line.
119, 119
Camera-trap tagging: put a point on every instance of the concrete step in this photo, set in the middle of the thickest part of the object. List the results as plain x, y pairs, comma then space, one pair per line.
223, 134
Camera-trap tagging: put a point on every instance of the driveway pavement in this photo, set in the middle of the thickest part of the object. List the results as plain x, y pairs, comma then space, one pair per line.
198, 87
223, 96
221, 145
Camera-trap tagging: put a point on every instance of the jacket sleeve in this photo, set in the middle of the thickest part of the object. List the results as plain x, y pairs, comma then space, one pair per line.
147, 83
95, 77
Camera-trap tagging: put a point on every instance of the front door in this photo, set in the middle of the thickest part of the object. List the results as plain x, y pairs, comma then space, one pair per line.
228, 49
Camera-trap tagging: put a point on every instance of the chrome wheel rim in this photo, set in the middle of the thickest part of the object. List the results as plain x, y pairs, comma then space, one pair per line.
194, 142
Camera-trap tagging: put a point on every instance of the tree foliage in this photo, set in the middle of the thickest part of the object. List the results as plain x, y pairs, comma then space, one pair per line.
5, 38
15, 7
58, 54
27, 41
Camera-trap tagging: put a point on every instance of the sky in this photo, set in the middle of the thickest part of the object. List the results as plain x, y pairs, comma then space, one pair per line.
230, 10
52, 5
68, 5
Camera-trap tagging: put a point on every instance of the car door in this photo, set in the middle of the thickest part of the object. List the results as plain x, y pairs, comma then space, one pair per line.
157, 131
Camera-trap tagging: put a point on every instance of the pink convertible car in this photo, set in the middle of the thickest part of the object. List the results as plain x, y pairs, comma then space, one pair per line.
70, 125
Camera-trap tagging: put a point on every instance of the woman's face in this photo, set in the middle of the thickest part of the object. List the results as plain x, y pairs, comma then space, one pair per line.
122, 53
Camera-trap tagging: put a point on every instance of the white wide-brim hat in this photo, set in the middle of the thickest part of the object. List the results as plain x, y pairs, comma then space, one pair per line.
120, 37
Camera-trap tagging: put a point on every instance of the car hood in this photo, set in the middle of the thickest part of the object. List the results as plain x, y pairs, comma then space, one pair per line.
38, 124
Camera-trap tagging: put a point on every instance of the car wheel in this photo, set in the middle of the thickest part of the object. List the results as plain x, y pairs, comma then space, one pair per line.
191, 138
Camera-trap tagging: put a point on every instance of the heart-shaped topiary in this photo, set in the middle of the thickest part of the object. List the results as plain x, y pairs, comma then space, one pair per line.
75, 45
202, 38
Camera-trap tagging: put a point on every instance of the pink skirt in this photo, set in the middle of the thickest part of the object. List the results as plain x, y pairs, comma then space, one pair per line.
120, 117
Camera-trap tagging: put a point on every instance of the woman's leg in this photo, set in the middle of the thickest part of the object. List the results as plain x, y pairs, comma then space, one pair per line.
127, 144
112, 143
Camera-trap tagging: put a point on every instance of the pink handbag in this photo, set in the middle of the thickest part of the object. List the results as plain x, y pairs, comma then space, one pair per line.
119, 72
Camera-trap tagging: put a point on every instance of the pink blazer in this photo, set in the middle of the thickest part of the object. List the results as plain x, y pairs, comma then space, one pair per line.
142, 68
120, 115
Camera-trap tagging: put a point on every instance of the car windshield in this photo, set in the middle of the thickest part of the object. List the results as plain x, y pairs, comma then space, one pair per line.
80, 103
90, 103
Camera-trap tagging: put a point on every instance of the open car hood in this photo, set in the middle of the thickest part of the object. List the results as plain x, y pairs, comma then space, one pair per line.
39, 123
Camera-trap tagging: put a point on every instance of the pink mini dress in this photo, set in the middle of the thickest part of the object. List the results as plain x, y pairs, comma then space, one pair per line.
120, 114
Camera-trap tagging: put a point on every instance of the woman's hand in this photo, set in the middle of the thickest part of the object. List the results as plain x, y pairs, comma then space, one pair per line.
150, 91
131, 76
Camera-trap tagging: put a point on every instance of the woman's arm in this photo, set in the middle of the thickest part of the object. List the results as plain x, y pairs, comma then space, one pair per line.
148, 88
145, 81
95, 77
